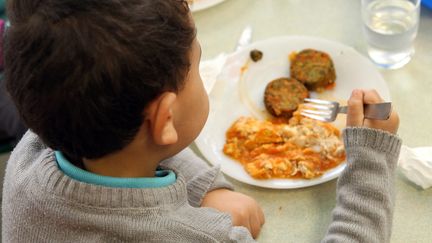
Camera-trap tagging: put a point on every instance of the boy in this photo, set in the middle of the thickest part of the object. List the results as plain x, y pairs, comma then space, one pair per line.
112, 92
116, 97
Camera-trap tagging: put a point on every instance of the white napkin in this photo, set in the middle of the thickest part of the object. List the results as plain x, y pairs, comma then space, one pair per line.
210, 69
416, 165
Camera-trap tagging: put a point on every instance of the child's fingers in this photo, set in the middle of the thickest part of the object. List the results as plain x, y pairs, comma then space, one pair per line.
372, 97
256, 222
261, 216
255, 227
355, 115
391, 124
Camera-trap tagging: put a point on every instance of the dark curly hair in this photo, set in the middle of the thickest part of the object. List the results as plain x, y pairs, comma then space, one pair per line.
82, 72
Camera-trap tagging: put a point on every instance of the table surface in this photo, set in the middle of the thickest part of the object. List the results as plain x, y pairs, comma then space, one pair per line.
302, 215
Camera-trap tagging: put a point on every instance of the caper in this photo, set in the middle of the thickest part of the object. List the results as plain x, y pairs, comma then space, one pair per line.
256, 55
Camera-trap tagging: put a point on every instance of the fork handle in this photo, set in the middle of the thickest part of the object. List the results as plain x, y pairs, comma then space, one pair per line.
379, 111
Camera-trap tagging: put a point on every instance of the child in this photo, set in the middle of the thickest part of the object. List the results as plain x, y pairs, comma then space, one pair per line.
112, 94
112, 88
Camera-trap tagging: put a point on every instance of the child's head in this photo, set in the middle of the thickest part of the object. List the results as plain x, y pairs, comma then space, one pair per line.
84, 73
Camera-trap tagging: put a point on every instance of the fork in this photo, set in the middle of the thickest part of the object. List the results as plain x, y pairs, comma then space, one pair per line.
326, 111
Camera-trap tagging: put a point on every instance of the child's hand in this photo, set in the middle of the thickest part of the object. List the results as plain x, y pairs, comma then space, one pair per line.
244, 210
355, 116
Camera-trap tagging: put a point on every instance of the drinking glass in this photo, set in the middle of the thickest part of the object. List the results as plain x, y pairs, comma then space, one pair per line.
390, 28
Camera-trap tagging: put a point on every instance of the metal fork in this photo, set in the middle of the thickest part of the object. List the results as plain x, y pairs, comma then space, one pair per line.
326, 111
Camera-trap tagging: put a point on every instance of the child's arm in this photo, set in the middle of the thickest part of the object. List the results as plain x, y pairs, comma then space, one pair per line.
365, 189
207, 187
243, 209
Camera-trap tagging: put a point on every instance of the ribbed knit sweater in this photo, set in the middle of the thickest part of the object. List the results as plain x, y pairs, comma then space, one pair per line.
42, 204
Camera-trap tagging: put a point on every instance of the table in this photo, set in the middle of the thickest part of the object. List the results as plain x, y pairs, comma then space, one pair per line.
302, 215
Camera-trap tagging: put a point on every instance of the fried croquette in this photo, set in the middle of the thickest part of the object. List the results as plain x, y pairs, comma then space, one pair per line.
282, 96
314, 69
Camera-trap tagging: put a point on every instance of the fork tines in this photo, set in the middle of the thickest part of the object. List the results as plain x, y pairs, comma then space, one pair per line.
321, 110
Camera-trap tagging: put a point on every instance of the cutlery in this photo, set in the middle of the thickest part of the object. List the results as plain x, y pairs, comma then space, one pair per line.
326, 111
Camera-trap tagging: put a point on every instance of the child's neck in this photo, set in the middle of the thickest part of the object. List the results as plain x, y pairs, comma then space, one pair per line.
135, 160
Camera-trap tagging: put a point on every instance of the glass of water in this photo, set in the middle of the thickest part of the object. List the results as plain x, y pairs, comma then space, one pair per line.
390, 27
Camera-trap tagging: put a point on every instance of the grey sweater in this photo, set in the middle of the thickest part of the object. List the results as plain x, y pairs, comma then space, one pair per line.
41, 204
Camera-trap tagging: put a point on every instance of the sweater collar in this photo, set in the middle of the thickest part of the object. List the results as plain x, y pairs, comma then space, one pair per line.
60, 184
162, 177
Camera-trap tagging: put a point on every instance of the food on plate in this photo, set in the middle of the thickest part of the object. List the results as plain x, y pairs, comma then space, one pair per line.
302, 148
282, 96
256, 55
315, 69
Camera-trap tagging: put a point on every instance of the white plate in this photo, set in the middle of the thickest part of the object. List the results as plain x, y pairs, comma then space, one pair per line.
199, 5
228, 103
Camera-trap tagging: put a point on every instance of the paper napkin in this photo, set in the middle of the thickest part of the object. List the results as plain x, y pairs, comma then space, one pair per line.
210, 69
416, 165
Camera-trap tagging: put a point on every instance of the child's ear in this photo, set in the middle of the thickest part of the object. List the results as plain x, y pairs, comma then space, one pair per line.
160, 115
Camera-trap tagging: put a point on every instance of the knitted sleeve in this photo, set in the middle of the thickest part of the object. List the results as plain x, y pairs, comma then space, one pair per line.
365, 189
201, 178
240, 234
